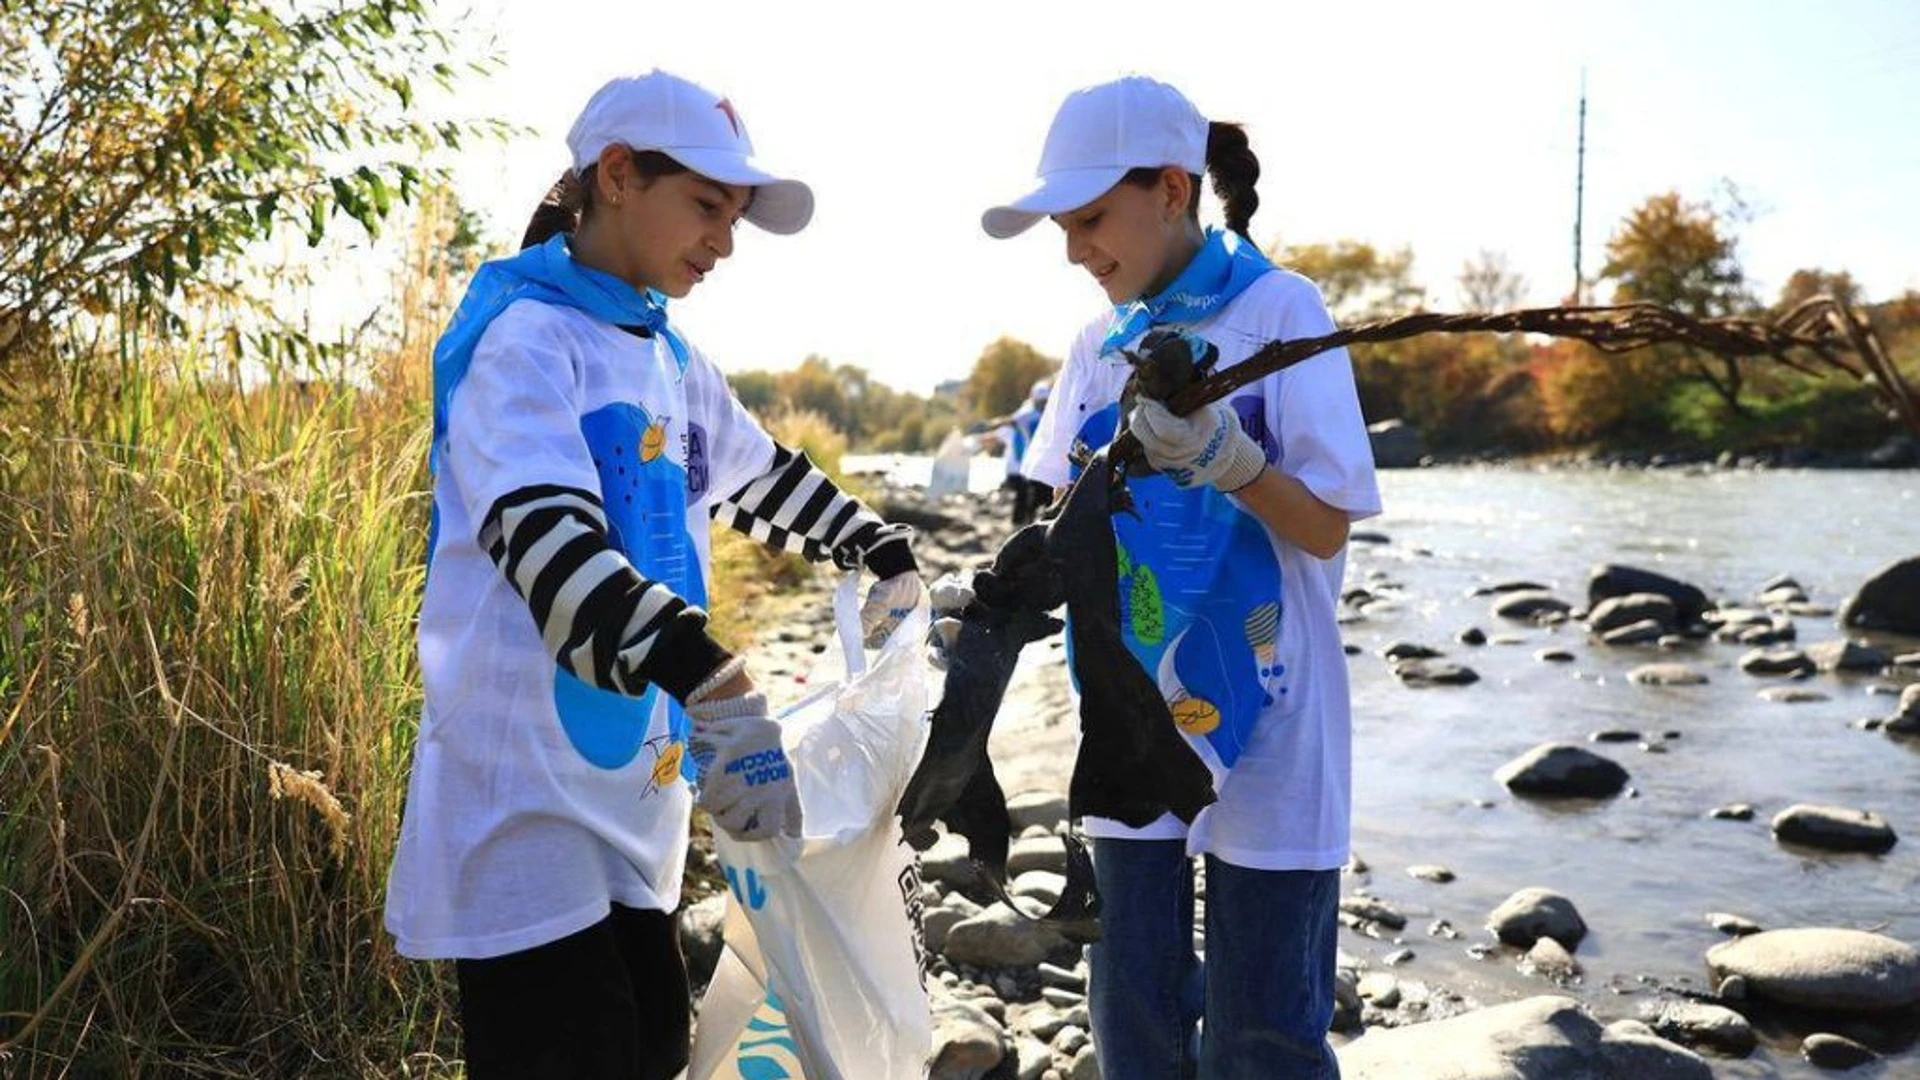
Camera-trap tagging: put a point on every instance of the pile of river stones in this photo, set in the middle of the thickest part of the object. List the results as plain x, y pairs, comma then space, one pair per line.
1009, 993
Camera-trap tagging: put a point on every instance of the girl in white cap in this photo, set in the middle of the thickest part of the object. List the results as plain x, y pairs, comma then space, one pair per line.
1228, 589
572, 694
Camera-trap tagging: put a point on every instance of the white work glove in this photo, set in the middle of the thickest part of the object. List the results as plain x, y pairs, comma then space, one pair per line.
889, 600
1207, 446
744, 781
950, 596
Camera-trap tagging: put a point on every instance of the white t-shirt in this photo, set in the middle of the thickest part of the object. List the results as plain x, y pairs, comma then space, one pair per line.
536, 799
1238, 625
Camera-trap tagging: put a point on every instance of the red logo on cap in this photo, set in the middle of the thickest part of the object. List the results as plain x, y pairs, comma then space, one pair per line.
733, 118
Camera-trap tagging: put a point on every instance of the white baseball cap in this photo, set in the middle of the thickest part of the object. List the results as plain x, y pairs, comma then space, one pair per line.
1100, 134
695, 127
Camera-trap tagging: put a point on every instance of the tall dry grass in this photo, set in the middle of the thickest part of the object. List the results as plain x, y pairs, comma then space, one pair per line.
208, 700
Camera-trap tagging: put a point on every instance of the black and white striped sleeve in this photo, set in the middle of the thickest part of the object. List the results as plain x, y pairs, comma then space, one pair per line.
793, 506
600, 618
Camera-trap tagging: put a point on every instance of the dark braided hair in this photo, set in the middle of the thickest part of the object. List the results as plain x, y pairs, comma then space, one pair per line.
570, 200
1234, 168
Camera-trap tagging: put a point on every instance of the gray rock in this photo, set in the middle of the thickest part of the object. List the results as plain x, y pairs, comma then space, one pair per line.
700, 937
967, 1041
1430, 673
1044, 1023
1889, 600
1777, 662
1060, 997
1473, 635
1530, 914
1640, 633
1773, 633
1562, 769
1042, 885
1396, 444
1835, 1052
1704, 1026
1608, 581
1619, 611
1001, 937
1732, 925
1550, 959
1070, 1040
1906, 721
1848, 656
948, 862
1369, 536
1791, 695
1823, 969
1554, 656
937, 922
1410, 650
1040, 853
1833, 828
1529, 606
1733, 812
1372, 909
1044, 808
1666, 675
1614, 735
1064, 978
1438, 875
1032, 1059
1380, 989
1539, 1038
1086, 1064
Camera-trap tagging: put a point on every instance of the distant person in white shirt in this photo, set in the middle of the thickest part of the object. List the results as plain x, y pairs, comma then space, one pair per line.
1229, 579
572, 693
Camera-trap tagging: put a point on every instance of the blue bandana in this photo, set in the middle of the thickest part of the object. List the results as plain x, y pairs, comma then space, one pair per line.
1222, 269
546, 273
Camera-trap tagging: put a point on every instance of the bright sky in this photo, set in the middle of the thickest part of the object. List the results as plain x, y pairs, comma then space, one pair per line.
1449, 127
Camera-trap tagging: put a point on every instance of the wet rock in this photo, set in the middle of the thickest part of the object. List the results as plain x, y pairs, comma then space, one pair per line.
1732, 925
1529, 606
1777, 662
1906, 721
1615, 735
1368, 909
1368, 536
1640, 633
1534, 1039
1666, 675
1833, 828
1889, 600
1703, 1026
1554, 656
1409, 650
1430, 872
1380, 989
1609, 580
1562, 769
1616, 612
1396, 444
1549, 959
1473, 635
1848, 656
1830, 970
1835, 1052
1531, 914
1791, 695
1418, 673
1733, 812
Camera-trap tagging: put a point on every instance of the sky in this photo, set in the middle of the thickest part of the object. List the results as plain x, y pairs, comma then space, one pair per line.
1447, 127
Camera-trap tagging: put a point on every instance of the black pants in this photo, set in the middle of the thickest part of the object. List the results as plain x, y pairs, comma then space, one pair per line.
1029, 497
608, 1003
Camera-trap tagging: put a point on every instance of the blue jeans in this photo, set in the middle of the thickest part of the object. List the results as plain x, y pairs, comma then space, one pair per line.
1264, 997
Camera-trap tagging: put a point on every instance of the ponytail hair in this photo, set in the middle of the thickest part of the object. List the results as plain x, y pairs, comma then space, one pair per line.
1234, 169
558, 212
570, 200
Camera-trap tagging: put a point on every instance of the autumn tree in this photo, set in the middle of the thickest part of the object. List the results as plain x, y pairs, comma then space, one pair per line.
1682, 255
1488, 282
1003, 376
1359, 281
1805, 284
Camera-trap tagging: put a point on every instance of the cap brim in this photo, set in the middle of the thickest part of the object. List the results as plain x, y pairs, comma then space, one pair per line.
779, 205
1057, 193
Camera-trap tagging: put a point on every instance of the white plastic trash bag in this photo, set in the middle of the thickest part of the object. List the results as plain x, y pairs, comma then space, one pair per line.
822, 972
952, 467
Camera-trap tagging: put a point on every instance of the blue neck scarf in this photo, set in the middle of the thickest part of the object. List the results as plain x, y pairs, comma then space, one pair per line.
1221, 270
546, 273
